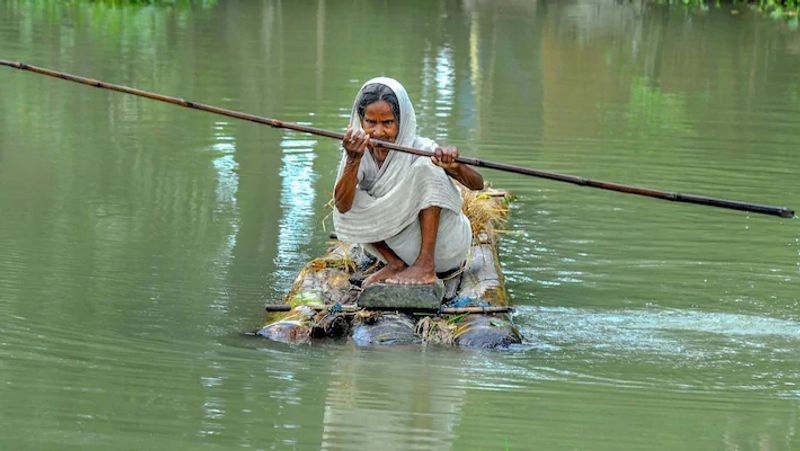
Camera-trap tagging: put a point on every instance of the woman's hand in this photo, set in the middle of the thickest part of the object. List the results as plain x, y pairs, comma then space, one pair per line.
445, 158
355, 143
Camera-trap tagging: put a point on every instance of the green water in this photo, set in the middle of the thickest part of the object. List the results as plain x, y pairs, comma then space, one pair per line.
138, 240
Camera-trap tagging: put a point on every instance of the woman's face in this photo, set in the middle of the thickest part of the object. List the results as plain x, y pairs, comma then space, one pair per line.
379, 121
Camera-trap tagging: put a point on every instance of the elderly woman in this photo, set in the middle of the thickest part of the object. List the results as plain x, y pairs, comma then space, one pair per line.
403, 208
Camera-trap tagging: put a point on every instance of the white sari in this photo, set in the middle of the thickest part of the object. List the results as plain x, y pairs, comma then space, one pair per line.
388, 199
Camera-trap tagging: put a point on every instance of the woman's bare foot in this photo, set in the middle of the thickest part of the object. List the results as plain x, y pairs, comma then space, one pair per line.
383, 274
416, 274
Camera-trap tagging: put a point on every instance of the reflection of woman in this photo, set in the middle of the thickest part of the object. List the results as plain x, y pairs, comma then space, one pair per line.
404, 208
373, 399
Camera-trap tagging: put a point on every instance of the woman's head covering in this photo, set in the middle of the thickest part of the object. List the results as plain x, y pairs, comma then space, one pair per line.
406, 135
407, 119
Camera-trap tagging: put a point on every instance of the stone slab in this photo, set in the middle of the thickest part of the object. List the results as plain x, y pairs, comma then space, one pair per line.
383, 295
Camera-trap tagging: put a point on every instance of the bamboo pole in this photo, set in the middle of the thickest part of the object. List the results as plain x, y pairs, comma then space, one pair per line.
576, 180
349, 309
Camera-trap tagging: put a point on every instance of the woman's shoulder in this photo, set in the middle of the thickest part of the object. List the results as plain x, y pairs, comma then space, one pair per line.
421, 142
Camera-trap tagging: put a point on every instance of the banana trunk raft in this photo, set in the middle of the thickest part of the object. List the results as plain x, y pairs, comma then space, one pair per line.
322, 303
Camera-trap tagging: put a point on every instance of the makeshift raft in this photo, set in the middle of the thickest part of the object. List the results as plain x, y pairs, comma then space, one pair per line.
322, 303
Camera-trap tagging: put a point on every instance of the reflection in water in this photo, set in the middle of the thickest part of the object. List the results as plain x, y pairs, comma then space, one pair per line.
298, 192
226, 209
213, 405
444, 75
226, 167
438, 89
651, 110
419, 407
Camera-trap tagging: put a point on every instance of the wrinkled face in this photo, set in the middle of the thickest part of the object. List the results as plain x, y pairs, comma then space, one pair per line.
379, 121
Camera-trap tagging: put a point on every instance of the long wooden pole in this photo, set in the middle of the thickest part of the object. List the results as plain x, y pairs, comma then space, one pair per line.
442, 310
577, 180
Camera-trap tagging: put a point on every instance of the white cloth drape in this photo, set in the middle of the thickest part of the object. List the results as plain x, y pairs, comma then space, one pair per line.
388, 199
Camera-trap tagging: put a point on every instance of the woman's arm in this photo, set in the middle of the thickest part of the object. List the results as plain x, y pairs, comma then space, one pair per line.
355, 143
345, 189
446, 159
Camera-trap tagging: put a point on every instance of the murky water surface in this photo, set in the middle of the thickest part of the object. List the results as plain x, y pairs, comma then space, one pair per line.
138, 241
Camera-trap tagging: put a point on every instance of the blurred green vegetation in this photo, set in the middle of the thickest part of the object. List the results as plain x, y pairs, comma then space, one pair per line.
651, 108
202, 3
775, 8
